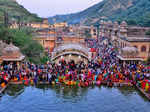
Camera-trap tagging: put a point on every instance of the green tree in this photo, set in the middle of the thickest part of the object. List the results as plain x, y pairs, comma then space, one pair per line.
22, 38
131, 22
5, 35
44, 59
6, 19
31, 48
148, 32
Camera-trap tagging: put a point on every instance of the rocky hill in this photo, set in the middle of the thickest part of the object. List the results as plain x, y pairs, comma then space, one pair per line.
15, 10
133, 11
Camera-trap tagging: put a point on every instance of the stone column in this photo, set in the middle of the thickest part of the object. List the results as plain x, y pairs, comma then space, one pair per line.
90, 56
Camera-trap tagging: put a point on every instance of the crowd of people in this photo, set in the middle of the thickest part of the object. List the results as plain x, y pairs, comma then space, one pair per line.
105, 68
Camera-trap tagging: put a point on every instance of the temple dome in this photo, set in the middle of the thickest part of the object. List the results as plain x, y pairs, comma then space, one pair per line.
116, 23
123, 23
12, 53
109, 22
11, 48
129, 51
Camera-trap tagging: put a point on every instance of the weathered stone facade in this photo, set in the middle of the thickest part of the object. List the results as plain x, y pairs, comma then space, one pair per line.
53, 37
124, 35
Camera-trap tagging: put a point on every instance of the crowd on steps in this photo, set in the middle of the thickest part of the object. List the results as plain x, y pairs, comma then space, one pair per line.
103, 69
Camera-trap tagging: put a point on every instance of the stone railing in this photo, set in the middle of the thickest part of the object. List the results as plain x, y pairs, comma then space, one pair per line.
80, 47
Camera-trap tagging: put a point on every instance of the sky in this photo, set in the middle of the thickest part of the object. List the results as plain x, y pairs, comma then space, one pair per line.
47, 8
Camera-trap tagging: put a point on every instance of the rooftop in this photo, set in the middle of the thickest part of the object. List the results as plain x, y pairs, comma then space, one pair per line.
130, 58
11, 53
136, 38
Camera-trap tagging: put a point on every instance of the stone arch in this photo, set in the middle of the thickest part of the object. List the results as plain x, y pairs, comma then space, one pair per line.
67, 49
72, 53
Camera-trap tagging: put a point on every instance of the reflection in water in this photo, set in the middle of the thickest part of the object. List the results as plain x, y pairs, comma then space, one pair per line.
66, 92
15, 90
127, 91
45, 98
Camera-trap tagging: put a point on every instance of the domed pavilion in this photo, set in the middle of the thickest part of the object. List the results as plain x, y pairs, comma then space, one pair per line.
11, 53
129, 55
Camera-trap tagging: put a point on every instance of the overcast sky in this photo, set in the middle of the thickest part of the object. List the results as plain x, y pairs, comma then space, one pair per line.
46, 8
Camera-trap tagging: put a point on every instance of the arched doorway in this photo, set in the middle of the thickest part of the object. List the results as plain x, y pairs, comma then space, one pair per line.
76, 52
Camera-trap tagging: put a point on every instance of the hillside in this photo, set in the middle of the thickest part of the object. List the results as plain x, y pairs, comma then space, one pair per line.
15, 10
133, 11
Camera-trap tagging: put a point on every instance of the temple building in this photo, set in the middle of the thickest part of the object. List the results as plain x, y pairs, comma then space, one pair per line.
58, 37
60, 25
11, 54
128, 37
49, 39
71, 51
129, 55
52, 37
35, 25
94, 32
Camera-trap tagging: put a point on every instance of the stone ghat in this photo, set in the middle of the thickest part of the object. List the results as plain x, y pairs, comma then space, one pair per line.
143, 92
3, 89
114, 84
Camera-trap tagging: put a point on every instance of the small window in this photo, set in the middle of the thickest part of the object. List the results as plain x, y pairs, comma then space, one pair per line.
115, 33
94, 30
143, 49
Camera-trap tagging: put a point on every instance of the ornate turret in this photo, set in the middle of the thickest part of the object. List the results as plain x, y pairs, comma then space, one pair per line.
123, 29
114, 30
115, 25
123, 24
109, 22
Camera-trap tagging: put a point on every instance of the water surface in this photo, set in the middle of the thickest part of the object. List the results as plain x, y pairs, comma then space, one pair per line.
45, 98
